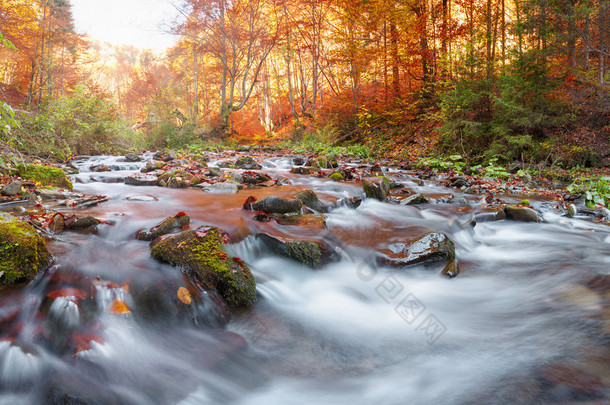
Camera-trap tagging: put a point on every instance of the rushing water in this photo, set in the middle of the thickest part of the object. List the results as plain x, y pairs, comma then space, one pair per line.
349, 333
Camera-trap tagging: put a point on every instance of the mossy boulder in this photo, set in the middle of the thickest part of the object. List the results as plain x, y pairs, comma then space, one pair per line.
301, 170
323, 162
199, 253
312, 253
46, 175
247, 163
415, 199
378, 188
336, 176
311, 200
24, 253
164, 227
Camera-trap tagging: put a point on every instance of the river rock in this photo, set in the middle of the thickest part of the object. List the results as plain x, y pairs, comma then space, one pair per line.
301, 170
213, 172
312, 253
152, 165
311, 200
433, 246
24, 253
489, 215
141, 180
164, 227
414, 199
377, 187
200, 254
132, 157
277, 205
12, 188
458, 181
323, 162
247, 163
57, 224
100, 168
79, 224
298, 161
310, 221
523, 214
349, 202
227, 187
249, 177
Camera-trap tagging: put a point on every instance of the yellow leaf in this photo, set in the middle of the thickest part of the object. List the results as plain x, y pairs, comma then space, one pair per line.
184, 295
119, 307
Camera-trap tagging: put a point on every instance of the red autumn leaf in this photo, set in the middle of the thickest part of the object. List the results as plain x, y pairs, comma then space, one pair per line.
248, 203
181, 213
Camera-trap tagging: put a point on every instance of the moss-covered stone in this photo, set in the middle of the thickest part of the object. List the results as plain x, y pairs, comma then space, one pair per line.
24, 253
324, 162
311, 200
274, 204
312, 253
336, 176
46, 175
200, 254
247, 163
378, 188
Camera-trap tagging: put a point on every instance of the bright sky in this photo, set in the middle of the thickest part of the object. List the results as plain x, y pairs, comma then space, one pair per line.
139, 23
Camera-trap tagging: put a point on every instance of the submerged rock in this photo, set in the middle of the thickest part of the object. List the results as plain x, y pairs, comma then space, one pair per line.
414, 199
200, 254
312, 253
164, 227
277, 205
227, 187
433, 246
24, 253
311, 200
378, 188
523, 214
249, 177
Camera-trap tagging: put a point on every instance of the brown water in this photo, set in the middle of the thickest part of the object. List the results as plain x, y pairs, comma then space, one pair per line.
349, 333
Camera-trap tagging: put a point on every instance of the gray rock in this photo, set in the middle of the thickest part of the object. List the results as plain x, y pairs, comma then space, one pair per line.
11, 189
152, 165
141, 180
132, 157
247, 163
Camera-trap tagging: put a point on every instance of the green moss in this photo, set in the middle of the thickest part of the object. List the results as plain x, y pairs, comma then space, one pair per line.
23, 251
336, 176
46, 175
307, 253
201, 253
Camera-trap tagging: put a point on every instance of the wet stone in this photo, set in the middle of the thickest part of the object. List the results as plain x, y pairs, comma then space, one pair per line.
164, 227
433, 246
12, 188
274, 204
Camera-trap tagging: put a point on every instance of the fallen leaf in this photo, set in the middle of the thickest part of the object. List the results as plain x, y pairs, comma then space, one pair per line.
119, 307
184, 295
68, 292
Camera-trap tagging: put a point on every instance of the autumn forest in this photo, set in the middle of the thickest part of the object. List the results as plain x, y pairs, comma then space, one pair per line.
514, 79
